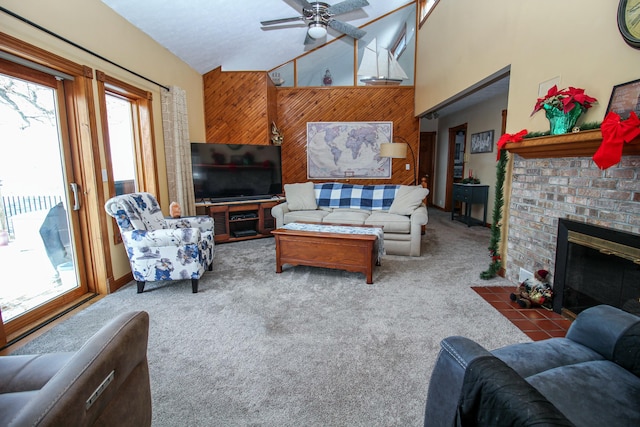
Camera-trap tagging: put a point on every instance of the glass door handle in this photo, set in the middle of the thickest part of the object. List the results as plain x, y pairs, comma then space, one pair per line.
76, 199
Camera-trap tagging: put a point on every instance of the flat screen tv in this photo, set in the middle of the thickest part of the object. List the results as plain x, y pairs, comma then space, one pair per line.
231, 172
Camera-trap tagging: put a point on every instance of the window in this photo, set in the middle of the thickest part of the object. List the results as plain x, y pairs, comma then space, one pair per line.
128, 137
425, 7
129, 146
121, 143
401, 43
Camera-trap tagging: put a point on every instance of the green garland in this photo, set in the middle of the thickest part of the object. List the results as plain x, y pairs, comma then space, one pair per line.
494, 243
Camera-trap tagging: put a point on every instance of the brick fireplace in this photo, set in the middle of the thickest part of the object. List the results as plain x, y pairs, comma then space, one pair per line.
554, 178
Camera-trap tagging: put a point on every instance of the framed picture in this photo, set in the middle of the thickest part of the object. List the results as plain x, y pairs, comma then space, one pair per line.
625, 98
345, 150
482, 142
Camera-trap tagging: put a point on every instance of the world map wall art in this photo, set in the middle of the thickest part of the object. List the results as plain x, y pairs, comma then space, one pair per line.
345, 150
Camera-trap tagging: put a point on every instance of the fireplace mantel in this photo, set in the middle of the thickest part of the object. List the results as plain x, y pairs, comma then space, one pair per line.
578, 144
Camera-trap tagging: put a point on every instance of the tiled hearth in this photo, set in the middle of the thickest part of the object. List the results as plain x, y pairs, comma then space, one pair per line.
537, 323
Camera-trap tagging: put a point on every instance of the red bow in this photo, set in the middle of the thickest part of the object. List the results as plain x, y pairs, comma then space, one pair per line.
506, 138
615, 133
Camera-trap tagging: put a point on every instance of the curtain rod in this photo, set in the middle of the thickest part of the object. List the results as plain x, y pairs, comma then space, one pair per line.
51, 33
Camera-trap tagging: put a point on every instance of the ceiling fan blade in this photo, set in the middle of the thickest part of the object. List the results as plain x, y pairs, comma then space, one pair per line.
303, 3
347, 29
347, 6
281, 21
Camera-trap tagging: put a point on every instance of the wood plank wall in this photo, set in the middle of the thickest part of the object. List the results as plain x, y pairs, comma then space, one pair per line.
239, 106
297, 106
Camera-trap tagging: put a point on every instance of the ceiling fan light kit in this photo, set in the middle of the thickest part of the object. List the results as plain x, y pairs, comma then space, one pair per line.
319, 16
317, 31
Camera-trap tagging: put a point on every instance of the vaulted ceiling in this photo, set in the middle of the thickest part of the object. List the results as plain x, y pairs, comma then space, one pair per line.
207, 34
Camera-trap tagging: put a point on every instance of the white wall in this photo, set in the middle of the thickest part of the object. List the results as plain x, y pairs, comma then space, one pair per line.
461, 43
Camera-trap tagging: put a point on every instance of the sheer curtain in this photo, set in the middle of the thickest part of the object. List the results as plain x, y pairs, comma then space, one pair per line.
177, 149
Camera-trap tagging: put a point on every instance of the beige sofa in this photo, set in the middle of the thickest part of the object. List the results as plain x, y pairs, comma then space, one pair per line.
399, 209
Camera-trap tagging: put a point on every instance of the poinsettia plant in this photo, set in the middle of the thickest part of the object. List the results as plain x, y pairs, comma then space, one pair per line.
565, 99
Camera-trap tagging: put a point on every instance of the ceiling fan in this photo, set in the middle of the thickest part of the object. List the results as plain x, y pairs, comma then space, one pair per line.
319, 15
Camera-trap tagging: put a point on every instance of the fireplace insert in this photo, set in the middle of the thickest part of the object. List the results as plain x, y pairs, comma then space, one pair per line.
596, 265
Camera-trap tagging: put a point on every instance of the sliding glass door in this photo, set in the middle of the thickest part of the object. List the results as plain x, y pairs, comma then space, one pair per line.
39, 231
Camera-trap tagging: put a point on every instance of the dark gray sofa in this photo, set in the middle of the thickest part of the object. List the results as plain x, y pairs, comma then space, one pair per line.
589, 378
104, 383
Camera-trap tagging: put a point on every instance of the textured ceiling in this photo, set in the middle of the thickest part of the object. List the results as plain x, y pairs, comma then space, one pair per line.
207, 34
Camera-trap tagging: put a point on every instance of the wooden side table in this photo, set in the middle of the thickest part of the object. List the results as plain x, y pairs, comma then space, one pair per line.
470, 194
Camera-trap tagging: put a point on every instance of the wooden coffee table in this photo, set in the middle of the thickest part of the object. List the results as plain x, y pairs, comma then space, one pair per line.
350, 252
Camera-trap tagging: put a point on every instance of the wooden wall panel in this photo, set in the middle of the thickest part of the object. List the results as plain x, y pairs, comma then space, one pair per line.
237, 108
272, 106
297, 106
240, 106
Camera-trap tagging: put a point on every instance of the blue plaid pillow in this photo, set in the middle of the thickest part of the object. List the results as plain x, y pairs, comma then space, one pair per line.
369, 197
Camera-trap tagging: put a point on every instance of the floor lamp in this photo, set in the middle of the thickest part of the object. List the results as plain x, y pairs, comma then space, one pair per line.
398, 150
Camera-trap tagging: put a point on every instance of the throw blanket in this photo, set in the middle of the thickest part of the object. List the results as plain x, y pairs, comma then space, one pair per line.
342, 229
368, 197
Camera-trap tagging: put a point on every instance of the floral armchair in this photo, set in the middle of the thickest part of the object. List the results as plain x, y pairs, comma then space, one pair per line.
162, 248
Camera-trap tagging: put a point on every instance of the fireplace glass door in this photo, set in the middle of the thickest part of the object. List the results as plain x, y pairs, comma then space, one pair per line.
596, 265
594, 277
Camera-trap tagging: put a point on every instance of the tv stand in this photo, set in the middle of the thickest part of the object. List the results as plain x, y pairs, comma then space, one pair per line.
241, 219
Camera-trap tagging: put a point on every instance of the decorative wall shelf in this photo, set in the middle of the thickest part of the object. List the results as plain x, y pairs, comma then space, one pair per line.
579, 144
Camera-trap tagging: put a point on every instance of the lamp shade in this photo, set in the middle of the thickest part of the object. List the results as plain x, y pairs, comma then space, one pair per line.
395, 150
317, 31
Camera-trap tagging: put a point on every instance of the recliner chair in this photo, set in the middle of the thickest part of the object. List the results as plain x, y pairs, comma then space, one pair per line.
162, 248
104, 383
591, 377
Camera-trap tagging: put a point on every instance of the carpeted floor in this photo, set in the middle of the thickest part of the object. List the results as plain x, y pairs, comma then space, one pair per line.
310, 346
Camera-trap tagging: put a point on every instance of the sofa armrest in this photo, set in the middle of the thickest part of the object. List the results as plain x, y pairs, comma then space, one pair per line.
493, 394
605, 329
447, 377
419, 217
203, 222
278, 212
105, 383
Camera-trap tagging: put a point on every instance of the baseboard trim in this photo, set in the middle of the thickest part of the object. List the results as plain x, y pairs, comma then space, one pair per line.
32, 332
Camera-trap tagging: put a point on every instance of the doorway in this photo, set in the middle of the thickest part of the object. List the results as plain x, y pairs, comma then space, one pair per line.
40, 270
427, 162
455, 167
